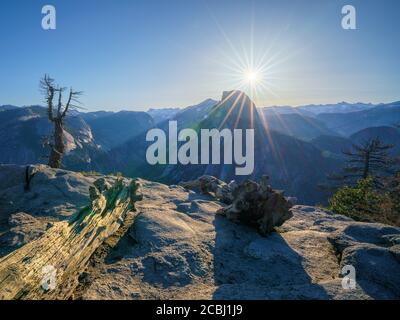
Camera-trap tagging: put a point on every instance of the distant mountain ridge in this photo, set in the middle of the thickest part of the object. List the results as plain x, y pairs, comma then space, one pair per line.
342, 119
389, 135
162, 114
297, 125
349, 123
341, 107
113, 129
288, 161
23, 132
315, 109
7, 107
296, 147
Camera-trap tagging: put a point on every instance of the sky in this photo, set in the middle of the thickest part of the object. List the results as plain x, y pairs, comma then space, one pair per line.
140, 54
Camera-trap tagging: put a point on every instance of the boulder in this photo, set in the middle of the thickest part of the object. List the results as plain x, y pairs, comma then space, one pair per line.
368, 233
374, 264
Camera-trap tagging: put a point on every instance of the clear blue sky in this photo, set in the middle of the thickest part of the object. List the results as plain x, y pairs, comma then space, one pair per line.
138, 54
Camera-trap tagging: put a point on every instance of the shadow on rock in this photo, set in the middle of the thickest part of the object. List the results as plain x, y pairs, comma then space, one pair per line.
248, 266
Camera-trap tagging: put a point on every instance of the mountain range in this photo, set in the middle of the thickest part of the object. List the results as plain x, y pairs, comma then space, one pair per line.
315, 109
290, 142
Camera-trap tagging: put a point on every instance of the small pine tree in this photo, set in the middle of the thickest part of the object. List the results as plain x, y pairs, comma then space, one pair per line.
361, 202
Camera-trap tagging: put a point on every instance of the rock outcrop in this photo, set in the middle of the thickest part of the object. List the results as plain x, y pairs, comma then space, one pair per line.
175, 246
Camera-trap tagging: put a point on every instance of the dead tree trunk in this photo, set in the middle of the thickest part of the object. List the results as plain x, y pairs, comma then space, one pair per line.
58, 148
64, 250
57, 117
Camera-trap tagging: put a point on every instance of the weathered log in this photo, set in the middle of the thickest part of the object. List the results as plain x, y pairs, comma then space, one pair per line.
258, 205
64, 250
251, 203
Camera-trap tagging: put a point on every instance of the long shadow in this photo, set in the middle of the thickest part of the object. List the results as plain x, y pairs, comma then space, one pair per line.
245, 265
249, 266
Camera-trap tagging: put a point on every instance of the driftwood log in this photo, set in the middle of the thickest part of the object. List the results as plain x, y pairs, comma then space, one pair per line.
64, 250
250, 203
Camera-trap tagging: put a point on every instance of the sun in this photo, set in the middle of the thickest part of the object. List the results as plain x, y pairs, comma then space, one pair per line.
252, 77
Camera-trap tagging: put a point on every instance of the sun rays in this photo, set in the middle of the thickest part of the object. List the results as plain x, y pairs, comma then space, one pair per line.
249, 67
258, 64
250, 64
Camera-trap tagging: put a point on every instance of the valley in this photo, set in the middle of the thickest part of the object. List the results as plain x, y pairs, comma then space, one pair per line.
289, 142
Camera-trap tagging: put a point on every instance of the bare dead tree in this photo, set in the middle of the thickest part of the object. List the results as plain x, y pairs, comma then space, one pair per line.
368, 159
56, 115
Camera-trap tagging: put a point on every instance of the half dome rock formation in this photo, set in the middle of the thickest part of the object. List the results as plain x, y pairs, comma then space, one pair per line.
146, 240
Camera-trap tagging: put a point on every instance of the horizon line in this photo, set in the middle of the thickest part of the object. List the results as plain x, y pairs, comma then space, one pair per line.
139, 109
